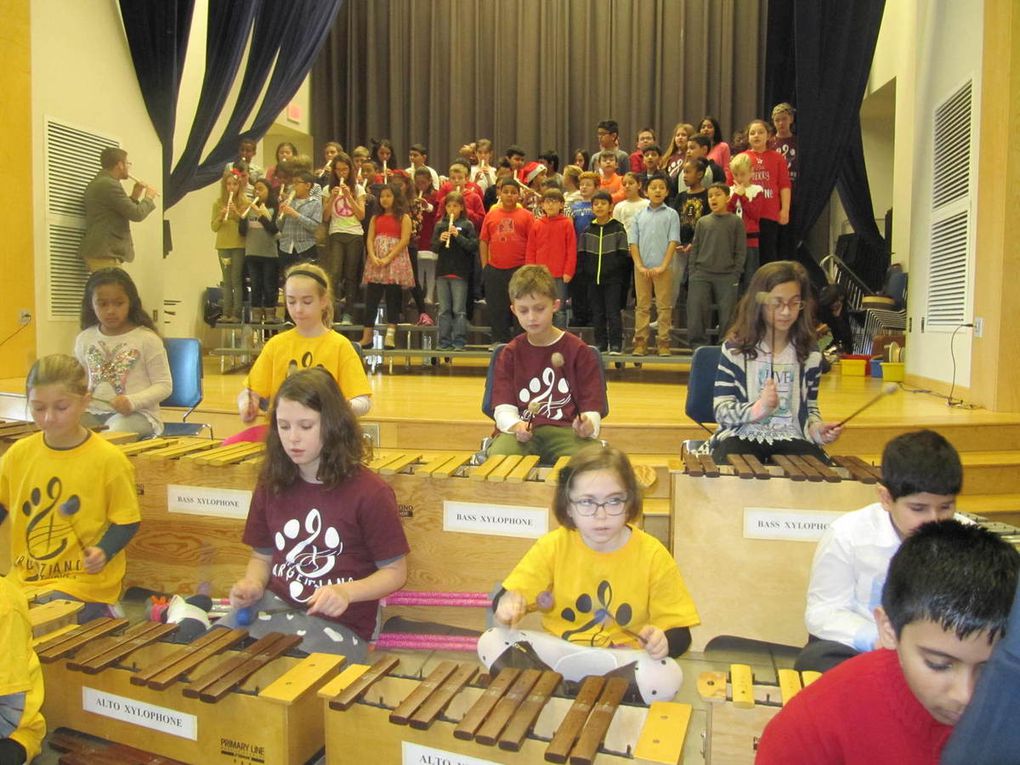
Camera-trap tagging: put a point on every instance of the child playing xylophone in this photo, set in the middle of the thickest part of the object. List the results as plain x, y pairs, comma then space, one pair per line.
612, 597
326, 539
70, 496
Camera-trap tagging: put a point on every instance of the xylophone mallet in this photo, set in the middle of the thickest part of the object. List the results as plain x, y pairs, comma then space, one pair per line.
887, 390
763, 298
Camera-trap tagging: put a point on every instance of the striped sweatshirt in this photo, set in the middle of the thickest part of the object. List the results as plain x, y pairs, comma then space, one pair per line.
738, 382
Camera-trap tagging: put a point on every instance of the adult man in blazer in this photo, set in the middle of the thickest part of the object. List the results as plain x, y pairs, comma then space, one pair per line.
108, 211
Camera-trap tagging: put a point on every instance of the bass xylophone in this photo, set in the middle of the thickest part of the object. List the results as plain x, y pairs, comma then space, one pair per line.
745, 534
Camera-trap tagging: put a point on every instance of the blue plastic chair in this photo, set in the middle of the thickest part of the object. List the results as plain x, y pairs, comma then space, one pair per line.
699, 405
185, 357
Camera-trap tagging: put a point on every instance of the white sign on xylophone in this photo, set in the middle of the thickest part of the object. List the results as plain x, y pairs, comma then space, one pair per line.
415, 754
149, 716
498, 520
787, 524
201, 500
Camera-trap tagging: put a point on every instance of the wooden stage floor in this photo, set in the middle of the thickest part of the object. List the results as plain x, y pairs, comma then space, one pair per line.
448, 399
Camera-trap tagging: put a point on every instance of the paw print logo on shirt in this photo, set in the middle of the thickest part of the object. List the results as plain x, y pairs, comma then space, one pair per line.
314, 551
551, 394
596, 614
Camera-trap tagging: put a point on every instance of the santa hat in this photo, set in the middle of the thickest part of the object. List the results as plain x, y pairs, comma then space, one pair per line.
531, 171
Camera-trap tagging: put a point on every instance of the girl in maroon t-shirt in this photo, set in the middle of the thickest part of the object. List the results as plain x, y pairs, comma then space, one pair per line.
325, 534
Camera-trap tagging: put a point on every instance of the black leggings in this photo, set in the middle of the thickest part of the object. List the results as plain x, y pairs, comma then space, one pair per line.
264, 276
768, 241
373, 293
416, 294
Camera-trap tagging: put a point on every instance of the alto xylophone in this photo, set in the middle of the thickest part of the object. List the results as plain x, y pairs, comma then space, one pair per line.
515, 716
738, 710
761, 524
215, 700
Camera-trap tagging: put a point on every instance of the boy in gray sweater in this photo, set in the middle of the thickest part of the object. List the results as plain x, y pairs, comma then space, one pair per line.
715, 266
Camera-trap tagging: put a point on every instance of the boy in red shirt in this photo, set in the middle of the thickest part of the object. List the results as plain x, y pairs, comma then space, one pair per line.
645, 138
944, 607
502, 249
553, 244
610, 182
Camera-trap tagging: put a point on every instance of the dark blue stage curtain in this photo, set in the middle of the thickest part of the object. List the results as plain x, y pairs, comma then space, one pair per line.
157, 34
819, 57
228, 26
285, 40
855, 193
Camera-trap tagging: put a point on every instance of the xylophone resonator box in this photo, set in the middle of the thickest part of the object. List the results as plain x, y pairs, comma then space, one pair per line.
745, 535
206, 703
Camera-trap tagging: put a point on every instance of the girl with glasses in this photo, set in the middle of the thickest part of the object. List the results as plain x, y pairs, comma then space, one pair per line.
766, 385
611, 597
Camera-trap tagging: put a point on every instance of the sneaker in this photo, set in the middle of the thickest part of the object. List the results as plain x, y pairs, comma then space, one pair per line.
424, 320
444, 347
346, 320
654, 325
664, 350
614, 351
640, 347
390, 340
458, 346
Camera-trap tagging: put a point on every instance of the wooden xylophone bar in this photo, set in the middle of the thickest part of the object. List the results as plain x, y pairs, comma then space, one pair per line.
501, 716
217, 683
796, 468
80, 749
160, 676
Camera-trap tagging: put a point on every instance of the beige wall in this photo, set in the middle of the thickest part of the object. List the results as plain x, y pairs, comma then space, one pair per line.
925, 51
16, 265
82, 74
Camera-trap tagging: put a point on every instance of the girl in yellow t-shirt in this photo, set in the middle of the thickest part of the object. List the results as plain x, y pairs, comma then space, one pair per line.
611, 596
312, 343
68, 495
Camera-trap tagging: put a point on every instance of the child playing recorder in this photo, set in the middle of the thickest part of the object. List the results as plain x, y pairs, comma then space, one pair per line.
611, 596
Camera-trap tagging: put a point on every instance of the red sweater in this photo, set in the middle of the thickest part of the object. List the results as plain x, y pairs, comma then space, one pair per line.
768, 170
472, 202
507, 233
553, 244
860, 712
749, 211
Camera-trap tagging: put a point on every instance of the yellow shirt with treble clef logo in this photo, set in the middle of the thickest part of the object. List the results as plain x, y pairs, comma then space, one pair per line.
59, 502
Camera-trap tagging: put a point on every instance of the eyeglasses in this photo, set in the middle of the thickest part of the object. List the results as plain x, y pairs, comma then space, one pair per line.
587, 506
777, 304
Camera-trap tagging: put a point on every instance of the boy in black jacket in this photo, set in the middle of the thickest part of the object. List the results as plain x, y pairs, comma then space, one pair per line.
603, 254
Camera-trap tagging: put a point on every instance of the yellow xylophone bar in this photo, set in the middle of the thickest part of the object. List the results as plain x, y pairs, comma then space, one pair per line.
739, 688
